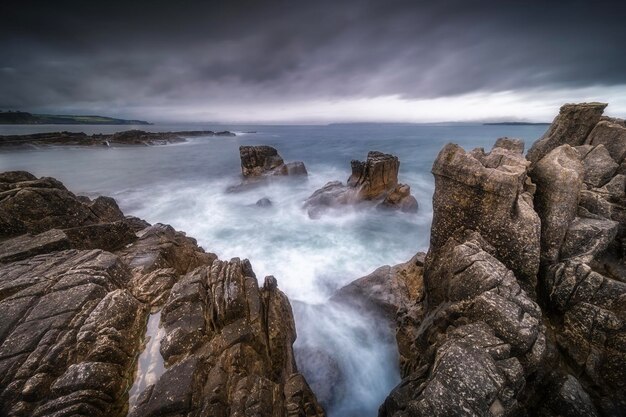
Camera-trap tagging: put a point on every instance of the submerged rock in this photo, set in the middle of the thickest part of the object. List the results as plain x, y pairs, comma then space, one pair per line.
373, 180
264, 202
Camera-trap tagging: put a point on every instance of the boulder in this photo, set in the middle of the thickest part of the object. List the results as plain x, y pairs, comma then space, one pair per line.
387, 290
598, 166
400, 198
612, 136
572, 126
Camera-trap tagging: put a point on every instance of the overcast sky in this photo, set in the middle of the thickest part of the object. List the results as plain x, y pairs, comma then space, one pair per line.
313, 61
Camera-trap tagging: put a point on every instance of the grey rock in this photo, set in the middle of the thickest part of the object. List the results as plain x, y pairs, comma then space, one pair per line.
264, 202
572, 126
612, 136
25, 246
490, 193
558, 177
598, 167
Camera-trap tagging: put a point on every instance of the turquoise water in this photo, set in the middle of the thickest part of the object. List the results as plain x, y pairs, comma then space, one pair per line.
184, 185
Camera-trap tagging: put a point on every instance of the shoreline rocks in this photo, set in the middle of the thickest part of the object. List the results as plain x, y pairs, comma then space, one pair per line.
524, 282
78, 280
125, 138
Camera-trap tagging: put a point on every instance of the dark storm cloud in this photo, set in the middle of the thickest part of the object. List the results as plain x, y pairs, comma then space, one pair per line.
159, 54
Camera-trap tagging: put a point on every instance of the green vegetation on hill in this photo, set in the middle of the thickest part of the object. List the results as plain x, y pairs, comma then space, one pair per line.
24, 118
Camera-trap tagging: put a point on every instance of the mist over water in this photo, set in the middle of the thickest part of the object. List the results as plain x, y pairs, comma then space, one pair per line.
184, 185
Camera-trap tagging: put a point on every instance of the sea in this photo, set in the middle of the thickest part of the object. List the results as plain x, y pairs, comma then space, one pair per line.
349, 358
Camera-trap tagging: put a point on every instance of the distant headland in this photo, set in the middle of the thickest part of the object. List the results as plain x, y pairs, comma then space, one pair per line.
24, 118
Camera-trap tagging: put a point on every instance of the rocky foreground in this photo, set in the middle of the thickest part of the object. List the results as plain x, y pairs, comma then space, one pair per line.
78, 281
518, 309
126, 138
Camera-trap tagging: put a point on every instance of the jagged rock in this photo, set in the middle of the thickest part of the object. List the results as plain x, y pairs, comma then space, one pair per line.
480, 342
585, 238
376, 176
69, 335
571, 126
265, 160
386, 290
491, 193
258, 160
612, 136
374, 179
231, 341
158, 258
74, 320
594, 328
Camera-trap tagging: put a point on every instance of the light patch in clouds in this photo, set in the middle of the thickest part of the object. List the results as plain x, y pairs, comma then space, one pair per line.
532, 106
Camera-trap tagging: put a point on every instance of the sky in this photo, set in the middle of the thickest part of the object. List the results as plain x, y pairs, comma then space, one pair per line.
315, 61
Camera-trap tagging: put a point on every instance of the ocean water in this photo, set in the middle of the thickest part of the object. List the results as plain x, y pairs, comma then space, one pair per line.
184, 185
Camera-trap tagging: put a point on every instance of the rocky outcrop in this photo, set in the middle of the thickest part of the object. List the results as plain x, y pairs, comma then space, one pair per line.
506, 329
228, 349
387, 290
572, 126
125, 138
489, 193
376, 179
75, 300
264, 160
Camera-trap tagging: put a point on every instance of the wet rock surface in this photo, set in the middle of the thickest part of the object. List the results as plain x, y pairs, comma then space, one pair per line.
264, 160
520, 322
125, 138
262, 164
375, 179
78, 280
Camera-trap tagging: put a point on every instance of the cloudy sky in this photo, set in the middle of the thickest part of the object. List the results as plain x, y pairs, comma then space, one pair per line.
312, 61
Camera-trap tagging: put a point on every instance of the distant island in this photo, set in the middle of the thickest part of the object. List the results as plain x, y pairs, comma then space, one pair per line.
24, 118
515, 124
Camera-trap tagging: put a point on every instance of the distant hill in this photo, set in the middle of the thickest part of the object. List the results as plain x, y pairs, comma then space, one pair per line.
24, 118
515, 124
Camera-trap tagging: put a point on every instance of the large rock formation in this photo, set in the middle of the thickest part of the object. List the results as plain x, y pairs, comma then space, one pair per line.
77, 282
479, 342
376, 179
264, 160
489, 193
571, 126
